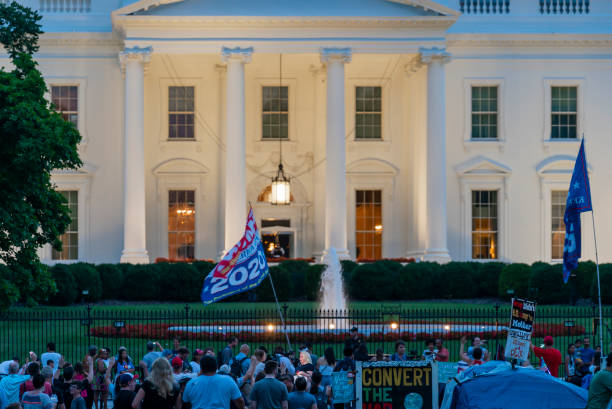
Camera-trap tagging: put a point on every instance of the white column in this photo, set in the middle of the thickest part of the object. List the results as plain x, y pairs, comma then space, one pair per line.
335, 164
133, 61
437, 249
235, 145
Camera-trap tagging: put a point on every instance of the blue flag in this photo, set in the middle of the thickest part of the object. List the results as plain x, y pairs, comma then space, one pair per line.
243, 267
578, 201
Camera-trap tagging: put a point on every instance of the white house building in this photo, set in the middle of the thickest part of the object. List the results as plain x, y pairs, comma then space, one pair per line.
408, 128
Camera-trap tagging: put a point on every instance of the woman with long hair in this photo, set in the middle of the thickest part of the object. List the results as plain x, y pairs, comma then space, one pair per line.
101, 378
326, 365
159, 390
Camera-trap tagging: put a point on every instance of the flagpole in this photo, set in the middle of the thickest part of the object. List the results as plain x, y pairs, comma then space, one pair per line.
598, 286
598, 281
279, 311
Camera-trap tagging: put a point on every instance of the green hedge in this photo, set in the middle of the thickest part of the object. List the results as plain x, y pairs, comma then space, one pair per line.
300, 281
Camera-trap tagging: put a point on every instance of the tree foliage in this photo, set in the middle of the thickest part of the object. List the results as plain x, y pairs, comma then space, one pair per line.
35, 140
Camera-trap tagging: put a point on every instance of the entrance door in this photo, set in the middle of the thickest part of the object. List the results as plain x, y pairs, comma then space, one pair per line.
277, 239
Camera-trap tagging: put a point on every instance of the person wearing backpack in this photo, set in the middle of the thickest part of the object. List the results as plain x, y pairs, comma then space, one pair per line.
241, 362
225, 357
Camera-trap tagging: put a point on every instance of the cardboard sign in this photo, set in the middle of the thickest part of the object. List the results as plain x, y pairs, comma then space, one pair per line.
447, 371
397, 385
522, 316
343, 386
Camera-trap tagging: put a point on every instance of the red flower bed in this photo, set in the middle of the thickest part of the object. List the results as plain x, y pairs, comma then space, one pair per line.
187, 260
161, 331
399, 260
281, 259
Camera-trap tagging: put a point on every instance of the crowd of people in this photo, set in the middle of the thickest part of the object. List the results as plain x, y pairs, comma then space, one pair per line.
236, 377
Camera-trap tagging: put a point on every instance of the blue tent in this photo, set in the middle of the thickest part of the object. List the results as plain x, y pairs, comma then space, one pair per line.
520, 388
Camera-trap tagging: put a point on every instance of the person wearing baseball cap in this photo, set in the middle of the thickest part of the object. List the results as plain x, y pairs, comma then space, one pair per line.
196, 356
125, 396
551, 356
177, 365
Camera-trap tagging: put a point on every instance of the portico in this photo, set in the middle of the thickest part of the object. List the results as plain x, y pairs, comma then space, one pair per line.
404, 58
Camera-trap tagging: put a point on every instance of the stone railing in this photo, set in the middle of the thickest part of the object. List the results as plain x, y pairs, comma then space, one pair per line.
564, 6
484, 6
65, 6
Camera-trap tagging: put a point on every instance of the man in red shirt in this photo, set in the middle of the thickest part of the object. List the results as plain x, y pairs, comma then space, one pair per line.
551, 356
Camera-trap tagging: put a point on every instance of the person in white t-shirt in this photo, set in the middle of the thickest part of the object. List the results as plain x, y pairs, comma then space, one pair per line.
51, 355
4, 366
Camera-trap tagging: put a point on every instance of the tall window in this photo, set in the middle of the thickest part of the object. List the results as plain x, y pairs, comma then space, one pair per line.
275, 112
484, 224
368, 224
564, 112
181, 224
557, 200
66, 101
181, 112
70, 238
368, 112
484, 112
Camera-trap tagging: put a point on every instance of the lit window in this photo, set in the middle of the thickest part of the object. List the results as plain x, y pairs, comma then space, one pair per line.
70, 238
65, 98
484, 224
484, 112
181, 224
181, 112
368, 224
368, 112
275, 112
557, 200
564, 112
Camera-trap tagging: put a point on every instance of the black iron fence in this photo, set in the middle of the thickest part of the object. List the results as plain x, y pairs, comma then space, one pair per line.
75, 329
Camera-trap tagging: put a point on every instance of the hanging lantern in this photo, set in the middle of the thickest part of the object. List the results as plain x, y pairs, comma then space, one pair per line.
281, 189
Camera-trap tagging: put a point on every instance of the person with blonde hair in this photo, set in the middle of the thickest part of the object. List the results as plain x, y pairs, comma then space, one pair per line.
159, 390
305, 368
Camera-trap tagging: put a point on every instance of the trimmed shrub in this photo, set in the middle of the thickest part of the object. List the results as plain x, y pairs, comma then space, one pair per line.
178, 282
111, 277
372, 282
296, 270
67, 290
348, 266
457, 281
486, 277
585, 274
514, 277
87, 278
312, 283
282, 284
140, 282
605, 278
546, 284
419, 280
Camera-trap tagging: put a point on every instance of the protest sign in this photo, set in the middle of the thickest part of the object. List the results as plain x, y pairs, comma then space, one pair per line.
397, 385
522, 317
447, 371
343, 386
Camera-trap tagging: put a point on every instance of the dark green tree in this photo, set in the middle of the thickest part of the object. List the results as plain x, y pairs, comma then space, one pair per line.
35, 139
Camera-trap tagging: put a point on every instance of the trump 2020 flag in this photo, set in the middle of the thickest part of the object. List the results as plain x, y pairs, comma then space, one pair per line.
578, 201
243, 268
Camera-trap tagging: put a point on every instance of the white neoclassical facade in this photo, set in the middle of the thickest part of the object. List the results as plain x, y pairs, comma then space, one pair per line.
408, 128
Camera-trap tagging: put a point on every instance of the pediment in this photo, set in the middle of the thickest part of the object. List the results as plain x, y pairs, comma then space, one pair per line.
482, 166
86, 170
278, 8
557, 165
371, 166
180, 166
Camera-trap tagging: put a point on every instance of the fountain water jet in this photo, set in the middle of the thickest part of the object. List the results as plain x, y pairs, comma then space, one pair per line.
332, 289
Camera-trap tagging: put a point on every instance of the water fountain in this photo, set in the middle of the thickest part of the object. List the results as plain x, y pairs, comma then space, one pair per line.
333, 298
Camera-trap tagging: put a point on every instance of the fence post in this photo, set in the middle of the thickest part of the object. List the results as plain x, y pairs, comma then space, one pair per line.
496, 330
285, 308
88, 325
